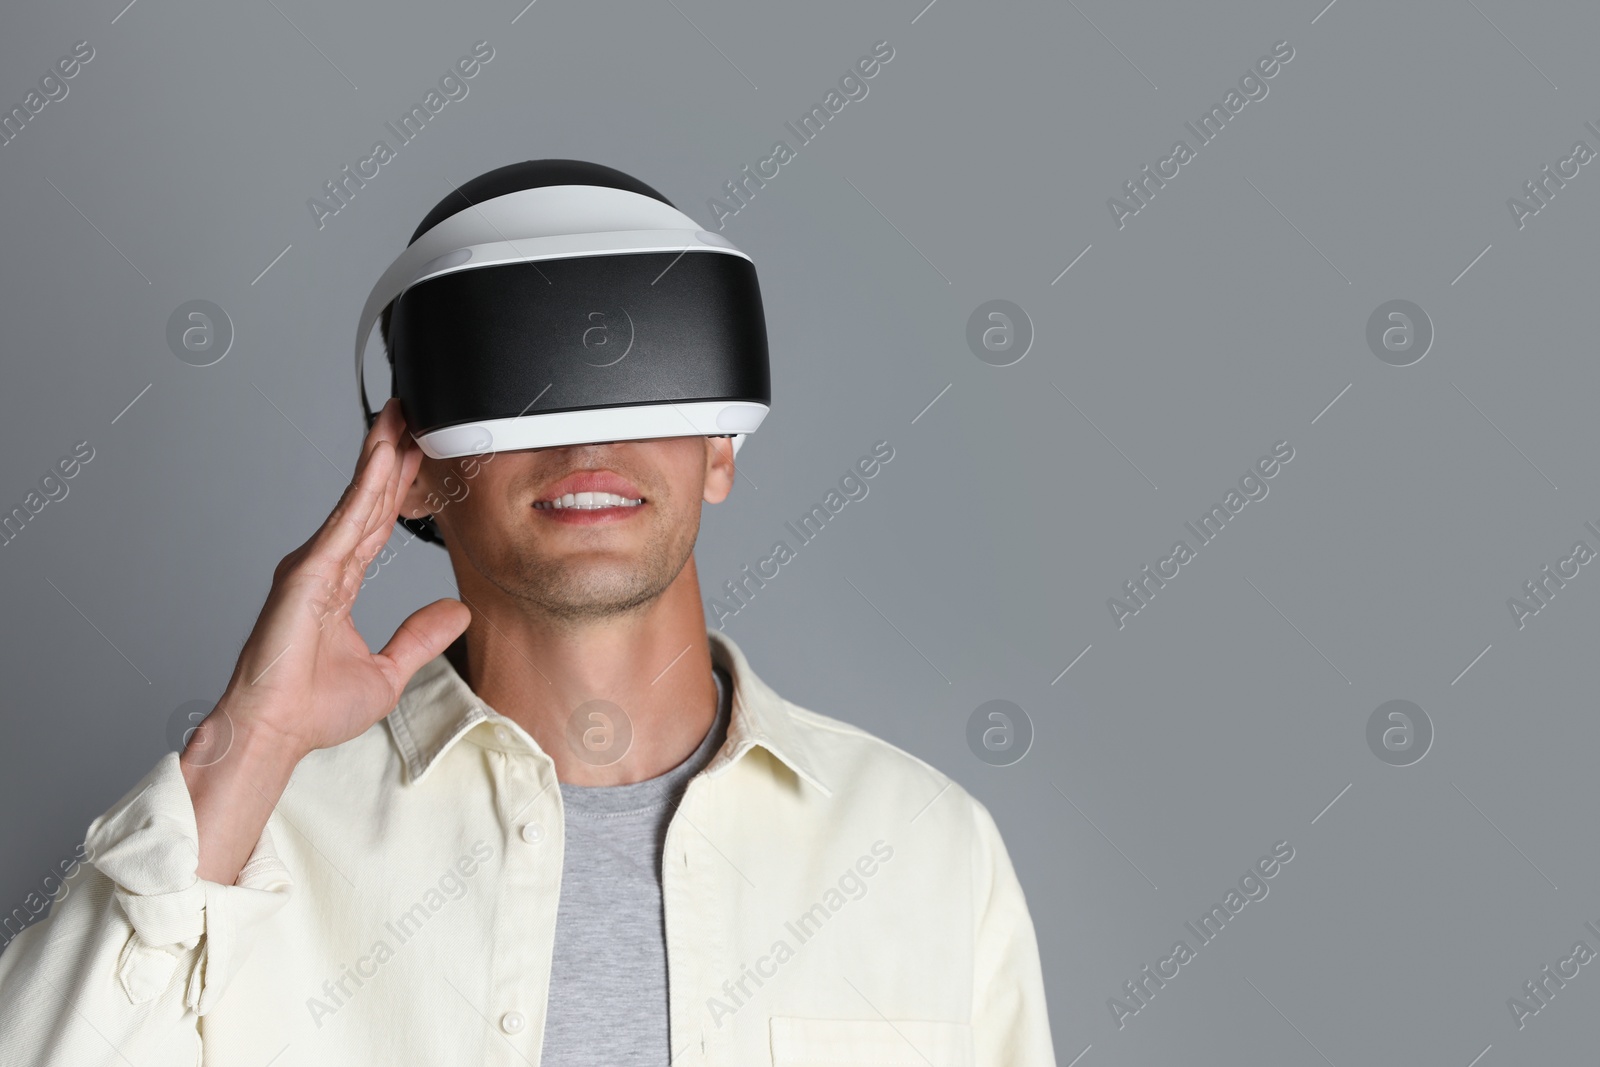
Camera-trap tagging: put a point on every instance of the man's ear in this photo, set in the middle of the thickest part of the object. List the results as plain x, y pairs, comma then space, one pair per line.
719, 469
421, 497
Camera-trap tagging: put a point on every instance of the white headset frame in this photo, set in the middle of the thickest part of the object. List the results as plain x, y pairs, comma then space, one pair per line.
556, 222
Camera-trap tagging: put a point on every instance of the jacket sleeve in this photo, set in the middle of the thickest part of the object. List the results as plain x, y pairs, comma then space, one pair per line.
1010, 1024
137, 946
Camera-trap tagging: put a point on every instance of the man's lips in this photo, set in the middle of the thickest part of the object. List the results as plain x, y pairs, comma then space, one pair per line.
591, 481
574, 491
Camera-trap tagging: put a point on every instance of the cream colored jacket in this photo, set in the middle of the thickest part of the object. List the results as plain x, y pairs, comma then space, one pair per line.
829, 900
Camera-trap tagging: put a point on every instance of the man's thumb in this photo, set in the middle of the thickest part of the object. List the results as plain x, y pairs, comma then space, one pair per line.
427, 632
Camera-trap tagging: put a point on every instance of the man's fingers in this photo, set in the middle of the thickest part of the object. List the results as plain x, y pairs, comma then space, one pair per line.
346, 526
388, 420
374, 434
405, 472
380, 520
427, 632
412, 472
386, 427
381, 528
359, 524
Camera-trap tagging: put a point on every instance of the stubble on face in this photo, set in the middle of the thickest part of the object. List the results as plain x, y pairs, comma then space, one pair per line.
548, 566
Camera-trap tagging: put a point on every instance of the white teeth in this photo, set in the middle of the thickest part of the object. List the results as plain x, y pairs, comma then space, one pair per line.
590, 501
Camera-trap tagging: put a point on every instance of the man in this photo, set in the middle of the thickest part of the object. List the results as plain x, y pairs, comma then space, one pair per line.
558, 821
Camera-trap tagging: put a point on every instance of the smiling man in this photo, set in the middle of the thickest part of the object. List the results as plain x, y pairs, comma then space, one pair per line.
557, 821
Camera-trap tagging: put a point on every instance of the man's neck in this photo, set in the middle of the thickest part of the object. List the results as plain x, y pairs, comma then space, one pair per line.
649, 673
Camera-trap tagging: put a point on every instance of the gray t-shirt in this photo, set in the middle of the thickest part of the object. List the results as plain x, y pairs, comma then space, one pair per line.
608, 974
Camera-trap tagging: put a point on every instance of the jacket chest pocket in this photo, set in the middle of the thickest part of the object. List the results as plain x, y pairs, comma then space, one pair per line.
807, 1042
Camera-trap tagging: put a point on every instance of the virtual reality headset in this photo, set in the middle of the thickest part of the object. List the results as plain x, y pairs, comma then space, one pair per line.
559, 302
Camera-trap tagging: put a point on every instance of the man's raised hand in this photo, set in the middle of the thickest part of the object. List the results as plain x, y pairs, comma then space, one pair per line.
305, 672
305, 678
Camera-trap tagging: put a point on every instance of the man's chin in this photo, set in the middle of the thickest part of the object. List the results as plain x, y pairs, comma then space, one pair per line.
584, 583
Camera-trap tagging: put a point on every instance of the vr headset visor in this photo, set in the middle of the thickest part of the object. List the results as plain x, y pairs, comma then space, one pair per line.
570, 314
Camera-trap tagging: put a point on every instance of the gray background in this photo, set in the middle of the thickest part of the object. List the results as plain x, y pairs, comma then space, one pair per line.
1224, 317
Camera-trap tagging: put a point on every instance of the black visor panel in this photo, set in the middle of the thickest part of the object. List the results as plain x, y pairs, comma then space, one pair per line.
594, 331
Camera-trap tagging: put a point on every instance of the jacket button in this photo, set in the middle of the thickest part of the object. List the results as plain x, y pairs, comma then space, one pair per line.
512, 1022
532, 832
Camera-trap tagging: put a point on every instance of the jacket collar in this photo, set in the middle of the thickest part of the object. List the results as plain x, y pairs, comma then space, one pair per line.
438, 708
